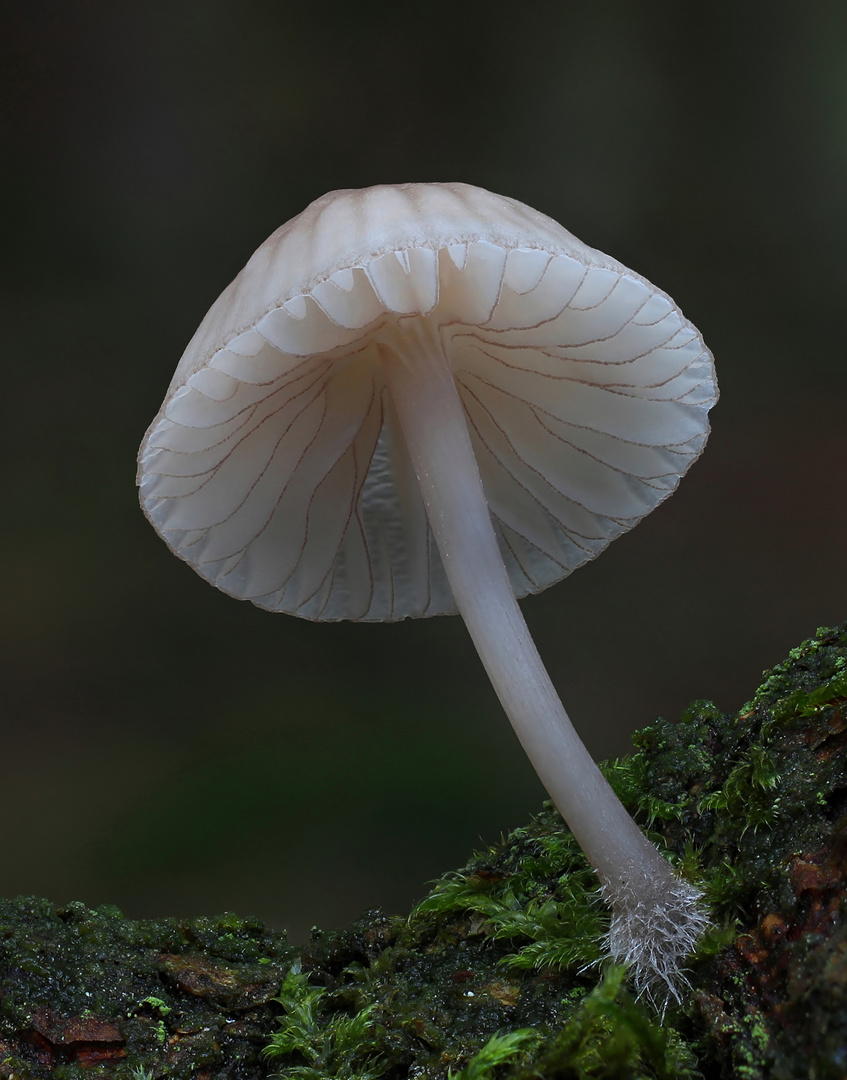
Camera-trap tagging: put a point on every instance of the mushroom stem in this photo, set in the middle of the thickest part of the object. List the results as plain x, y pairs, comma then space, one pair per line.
656, 916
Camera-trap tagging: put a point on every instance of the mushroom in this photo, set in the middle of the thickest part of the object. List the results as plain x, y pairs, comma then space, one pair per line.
427, 398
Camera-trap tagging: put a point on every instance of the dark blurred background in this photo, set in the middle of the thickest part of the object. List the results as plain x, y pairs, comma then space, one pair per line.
173, 751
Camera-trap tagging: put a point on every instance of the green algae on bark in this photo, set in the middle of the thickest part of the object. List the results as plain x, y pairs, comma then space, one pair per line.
498, 973
90, 994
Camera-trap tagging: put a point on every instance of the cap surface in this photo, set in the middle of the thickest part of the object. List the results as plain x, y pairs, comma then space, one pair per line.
276, 468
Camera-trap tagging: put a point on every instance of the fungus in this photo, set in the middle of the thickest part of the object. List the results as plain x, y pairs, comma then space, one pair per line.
427, 398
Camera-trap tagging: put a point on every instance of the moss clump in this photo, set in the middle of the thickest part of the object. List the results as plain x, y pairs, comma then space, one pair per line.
752, 806
498, 972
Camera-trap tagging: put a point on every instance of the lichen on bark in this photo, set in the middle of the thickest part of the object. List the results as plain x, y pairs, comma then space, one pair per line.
499, 971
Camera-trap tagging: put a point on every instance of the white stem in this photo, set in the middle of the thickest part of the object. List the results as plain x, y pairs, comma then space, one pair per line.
433, 421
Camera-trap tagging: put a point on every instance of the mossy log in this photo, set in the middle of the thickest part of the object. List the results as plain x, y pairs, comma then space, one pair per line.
499, 972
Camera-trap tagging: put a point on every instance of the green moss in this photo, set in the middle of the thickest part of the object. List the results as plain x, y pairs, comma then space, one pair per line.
498, 974
750, 805
341, 1046
497, 1051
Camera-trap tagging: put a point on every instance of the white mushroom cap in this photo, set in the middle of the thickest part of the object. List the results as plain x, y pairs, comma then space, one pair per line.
276, 466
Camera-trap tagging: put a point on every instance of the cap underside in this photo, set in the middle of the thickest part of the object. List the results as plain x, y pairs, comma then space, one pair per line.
279, 473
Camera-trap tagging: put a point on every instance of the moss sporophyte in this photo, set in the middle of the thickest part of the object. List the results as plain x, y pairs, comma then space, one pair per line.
420, 399
506, 946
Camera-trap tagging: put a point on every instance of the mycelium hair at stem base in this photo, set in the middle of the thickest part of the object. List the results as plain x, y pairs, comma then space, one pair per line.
424, 398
